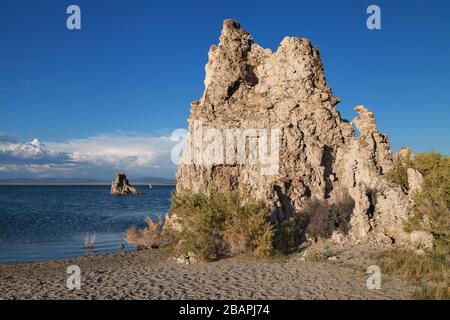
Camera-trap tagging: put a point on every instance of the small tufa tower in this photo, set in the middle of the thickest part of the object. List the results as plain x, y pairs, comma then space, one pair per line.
121, 186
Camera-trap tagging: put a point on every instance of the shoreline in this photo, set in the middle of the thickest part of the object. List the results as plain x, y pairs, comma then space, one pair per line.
152, 274
80, 184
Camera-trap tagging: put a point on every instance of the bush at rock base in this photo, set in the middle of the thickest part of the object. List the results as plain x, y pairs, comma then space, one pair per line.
151, 236
221, 225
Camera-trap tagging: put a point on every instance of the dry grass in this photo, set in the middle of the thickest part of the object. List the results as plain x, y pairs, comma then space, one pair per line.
148, 237
430, 271
322, 255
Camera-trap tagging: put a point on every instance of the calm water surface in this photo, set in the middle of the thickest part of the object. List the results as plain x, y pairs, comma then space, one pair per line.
50, 222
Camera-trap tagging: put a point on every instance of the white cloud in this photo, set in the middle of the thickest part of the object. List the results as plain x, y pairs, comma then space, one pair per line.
33, 152
97, 157
116, 148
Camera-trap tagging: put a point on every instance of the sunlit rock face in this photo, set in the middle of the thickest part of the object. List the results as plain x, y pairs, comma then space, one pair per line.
320, 169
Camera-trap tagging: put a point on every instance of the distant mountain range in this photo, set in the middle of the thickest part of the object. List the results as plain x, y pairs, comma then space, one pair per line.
85, 181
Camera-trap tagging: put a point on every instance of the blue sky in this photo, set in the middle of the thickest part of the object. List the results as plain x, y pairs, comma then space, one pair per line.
130, 74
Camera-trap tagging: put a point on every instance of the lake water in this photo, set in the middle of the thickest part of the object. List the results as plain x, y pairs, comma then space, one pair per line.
51, 222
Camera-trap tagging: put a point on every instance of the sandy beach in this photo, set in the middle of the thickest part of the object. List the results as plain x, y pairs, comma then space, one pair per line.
152, 274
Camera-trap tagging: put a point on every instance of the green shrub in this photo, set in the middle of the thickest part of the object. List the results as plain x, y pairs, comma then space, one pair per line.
222, 224
399, 174
432, 205
431, 213
286, 238
247, 227
202, 223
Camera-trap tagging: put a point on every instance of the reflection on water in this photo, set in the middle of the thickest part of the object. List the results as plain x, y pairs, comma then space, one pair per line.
51, 222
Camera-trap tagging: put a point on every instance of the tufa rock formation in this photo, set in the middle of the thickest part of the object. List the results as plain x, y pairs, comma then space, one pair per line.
121, 186
415, 181
328, 176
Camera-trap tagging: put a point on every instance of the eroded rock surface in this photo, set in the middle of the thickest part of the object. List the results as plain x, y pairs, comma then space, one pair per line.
327, 173
121, 186
415, 180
